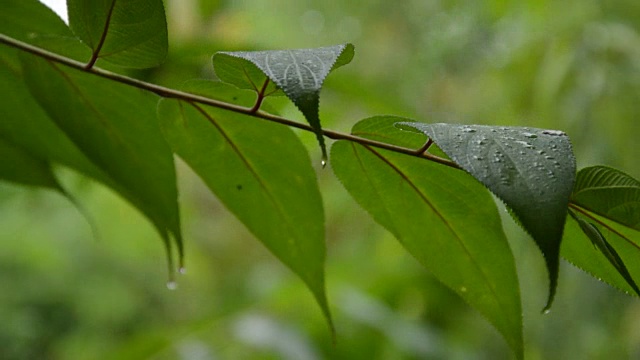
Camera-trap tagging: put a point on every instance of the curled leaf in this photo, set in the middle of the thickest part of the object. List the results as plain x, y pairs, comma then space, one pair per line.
531, 170
300, 73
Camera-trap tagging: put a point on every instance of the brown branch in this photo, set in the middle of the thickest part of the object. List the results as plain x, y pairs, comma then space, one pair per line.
175, 94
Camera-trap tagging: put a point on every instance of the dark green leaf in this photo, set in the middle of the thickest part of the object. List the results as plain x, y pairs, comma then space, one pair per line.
130, 33
442, 216
115, 126
26, 125
260, 171
610, 193
531, 170
299, 73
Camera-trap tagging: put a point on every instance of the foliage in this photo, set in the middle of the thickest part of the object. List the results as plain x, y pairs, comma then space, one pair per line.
123, 133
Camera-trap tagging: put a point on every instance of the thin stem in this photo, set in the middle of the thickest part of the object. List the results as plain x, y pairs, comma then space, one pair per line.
261, 96
424, 147
103, 37
175, 94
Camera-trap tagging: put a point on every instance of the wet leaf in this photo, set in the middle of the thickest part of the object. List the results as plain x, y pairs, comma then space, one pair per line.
442, 216
300, 73
260, 171
531, 170
130, 33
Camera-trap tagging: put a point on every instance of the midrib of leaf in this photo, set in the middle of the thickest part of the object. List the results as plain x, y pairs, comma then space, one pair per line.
373, 186
439, 214
251, 169
103, 36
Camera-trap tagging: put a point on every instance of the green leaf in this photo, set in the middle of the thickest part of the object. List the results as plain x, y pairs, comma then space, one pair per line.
299, 73
609, 192
609, 252
243, 74
115, 126
32, 22
578, 248
131, 33
442, 216
608, 200
27, 126
20, 167
531, 170
260, 171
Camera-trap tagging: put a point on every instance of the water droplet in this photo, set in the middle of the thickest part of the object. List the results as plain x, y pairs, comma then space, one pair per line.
525, 144
323, 162
541, 152
549, 157
468, 130
546, 311
172, 285
478, 157
530, 135
553, 132
182, 270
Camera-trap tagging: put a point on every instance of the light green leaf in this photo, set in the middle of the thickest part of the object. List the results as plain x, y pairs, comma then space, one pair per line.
20, 167
442, 216
608, 200
609, 252
130, 33
299, 73
260, 171
578, 248
115, 126
609, 192
531, 170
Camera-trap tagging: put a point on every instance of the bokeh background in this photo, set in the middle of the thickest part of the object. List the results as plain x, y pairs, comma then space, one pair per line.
67, 293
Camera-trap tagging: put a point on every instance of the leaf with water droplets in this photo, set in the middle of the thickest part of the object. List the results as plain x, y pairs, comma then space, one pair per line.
299, 73
442, 216
531, 170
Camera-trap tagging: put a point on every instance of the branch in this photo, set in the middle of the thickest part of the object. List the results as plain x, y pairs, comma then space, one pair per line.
175, 94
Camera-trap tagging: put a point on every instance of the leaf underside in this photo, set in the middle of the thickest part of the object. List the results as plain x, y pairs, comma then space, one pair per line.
531, 170
115, 127
300, 73
260, 171
130, 33
443, 217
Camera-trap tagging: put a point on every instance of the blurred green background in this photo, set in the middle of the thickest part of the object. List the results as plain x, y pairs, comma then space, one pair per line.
571, 65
